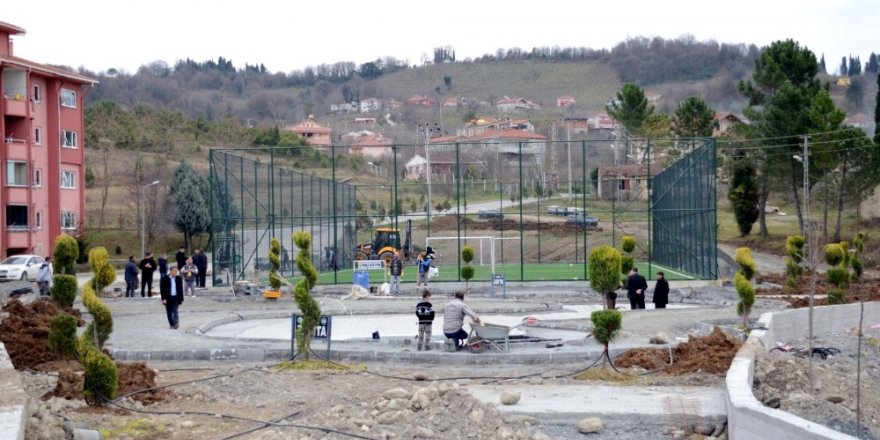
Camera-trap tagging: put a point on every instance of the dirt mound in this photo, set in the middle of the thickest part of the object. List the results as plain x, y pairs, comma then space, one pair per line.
708, 354
449, 222
866, 288
25, 332
131, 377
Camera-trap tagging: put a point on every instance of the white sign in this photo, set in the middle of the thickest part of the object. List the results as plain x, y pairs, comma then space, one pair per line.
369, 264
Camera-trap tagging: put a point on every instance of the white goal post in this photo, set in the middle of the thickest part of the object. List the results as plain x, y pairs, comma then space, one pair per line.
484, 249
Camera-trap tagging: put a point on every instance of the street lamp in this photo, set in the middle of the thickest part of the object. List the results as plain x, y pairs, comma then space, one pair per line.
143, 214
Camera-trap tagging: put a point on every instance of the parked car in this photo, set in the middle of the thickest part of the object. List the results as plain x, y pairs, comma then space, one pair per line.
21, 267
556, 210
490, 214
581, 219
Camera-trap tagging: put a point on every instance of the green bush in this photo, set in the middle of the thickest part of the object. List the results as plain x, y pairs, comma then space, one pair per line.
834, 254
275, 261
467, 254
104, 272
467, 273
792, 271
62, 334
606, 325
836, 296
626, 264
99, 380
64, 290
628, 243
604, 264
66, 254
838, 276
856, 264
309, 308
743, 257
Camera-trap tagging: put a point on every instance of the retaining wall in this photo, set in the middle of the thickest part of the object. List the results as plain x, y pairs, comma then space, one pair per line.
13, 400
747, 418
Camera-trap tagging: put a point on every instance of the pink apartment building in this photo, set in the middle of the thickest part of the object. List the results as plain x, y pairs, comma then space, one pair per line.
42, 154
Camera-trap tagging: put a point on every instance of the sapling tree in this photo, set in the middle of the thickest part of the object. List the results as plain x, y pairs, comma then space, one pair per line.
100, 376
742, 282
794, 247
467, 271
275, 261
606, 325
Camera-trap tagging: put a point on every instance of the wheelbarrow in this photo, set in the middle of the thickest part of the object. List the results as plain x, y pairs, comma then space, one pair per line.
482, 336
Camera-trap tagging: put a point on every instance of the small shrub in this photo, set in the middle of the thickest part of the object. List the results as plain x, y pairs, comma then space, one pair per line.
628, 243
275, 261
467, 254
606, 325
838, 276
99, 380
626, 264
794, 246
746, 263
62, 335
836, 296
834, 254
105, 274
64, 290
743, 285
467, 273
66, 254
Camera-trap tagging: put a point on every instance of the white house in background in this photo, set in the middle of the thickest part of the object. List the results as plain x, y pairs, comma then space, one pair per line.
371, 105
345, 107
371, 146
509, 105
723, 122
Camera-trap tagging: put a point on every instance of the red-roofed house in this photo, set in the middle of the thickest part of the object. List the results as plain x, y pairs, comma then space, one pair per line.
43, 160
315, 134
419, 101
565, 101
723, 122
442, 167
371, 146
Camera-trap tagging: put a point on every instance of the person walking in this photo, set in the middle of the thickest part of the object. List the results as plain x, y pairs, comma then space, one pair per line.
635, 289
171, 289
395, 269
201, 262
285, 259
453, 321
661, 292
425, 260
190, 274
180, 257
44, 276
425, 313
163, 266
147, 267
131, 277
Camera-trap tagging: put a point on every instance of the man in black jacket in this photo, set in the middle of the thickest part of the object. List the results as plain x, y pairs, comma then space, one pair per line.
171, 289
147, 266
635, 289
425, 313
181, 257
201, 262
661, 292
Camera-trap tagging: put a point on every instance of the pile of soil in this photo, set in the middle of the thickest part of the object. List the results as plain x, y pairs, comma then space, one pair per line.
710, 354
867, 289
131, 377
25, 332
449, 222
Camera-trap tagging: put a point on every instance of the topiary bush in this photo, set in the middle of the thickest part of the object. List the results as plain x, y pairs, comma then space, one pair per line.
794, 247
837, 255
310, 309
834, 254
467, 271
628, 245
63, 290
65, 255
604, 266
104, 272
99, 381
855, 259
62, 335
275, 261
606, 325
742, 282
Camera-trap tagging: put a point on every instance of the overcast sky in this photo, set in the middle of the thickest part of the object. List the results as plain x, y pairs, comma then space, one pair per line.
288, 35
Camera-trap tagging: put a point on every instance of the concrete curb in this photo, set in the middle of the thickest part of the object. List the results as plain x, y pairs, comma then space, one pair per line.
748, 418
13, 400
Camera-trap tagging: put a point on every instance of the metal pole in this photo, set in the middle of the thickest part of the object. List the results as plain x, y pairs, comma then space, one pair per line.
522, 250
568, 144
810, 251
649, 187
143, 214
335, 226
428, 177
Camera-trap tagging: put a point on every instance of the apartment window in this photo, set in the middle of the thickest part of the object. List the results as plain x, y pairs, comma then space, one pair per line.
68, 139
38, 220
16, 173
16, 217
38, 177
38, 94
68, 179
68, 98
68, 220
38, 135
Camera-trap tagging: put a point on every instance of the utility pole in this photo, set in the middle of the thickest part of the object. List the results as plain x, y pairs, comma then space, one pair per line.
811, 251
568, 144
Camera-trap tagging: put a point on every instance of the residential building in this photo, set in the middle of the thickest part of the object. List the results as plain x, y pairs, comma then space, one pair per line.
566, 101
443, 168
723, 122
371, 146
510, 105
43, 158
315, 134
419, 101
626, 182
371, 105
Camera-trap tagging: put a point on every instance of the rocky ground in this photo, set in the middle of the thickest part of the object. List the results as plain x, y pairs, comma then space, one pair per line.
782, 381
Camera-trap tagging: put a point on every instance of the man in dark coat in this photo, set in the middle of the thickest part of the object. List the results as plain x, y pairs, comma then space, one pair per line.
201, 262
661, 292
635, 289
171, 289
147, 267
131, 277
180, 257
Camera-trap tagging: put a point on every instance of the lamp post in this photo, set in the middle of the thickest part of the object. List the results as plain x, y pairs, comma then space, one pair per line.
143, 214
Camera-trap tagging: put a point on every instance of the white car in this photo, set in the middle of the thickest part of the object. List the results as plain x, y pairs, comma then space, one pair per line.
21, 267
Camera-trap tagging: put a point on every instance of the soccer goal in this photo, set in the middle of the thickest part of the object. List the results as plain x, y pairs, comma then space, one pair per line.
446, 248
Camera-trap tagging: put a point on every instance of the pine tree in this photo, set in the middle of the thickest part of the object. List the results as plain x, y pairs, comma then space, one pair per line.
843, 70
822, 64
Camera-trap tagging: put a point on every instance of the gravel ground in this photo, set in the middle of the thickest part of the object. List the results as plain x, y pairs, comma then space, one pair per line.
782, 380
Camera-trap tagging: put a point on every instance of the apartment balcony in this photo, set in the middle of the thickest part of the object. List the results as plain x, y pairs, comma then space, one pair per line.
13, 107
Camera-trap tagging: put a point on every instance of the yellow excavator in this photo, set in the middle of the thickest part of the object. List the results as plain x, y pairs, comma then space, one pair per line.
385, 244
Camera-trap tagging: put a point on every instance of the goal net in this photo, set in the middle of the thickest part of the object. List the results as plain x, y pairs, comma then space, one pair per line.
485, 249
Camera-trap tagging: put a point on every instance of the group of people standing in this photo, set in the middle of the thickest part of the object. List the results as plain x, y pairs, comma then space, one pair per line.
424, 261
453, 321
636, 286
193, 269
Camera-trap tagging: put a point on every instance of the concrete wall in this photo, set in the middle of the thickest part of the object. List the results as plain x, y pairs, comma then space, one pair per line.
13, 400
748, 418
